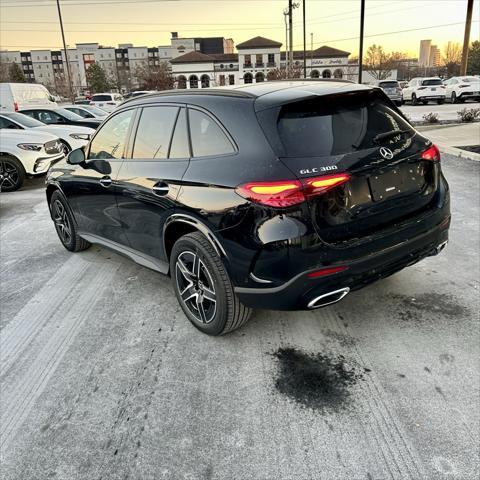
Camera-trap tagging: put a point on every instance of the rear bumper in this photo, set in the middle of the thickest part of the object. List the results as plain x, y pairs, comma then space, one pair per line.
300, 291
430, 97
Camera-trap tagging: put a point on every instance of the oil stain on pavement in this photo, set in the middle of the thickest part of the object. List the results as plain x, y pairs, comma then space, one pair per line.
316, 381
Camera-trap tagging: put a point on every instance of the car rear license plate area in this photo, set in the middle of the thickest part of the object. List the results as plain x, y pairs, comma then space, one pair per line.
399, 180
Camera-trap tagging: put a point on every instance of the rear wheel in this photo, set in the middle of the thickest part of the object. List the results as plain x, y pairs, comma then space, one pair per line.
12, 174
203, 288
414, 99
65, 225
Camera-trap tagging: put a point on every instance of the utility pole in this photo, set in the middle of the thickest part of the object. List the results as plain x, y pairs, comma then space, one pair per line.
466, 38
290, 33
285, 14
304, 43
66, 52
360, 53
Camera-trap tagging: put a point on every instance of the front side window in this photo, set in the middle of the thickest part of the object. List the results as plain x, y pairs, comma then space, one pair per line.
154, 132
207, 137
109, 142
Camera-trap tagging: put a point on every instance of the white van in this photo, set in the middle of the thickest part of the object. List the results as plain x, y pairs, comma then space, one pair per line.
15, 96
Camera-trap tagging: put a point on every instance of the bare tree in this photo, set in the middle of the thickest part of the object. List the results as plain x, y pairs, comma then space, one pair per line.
282, 73
452, 58
380, 63
155, 77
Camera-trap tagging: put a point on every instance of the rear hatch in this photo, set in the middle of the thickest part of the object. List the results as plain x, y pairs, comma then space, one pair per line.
432, 86
327, 135
390, 87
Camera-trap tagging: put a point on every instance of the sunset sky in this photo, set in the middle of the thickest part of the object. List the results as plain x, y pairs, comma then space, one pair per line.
29, 24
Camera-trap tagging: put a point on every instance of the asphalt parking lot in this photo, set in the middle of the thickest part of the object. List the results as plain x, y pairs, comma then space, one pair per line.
102, 377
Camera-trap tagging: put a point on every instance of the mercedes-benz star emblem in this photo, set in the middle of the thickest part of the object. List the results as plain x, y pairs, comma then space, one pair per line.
386, 153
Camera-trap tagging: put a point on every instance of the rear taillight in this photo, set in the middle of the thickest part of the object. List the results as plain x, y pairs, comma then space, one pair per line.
422, 88
326, 271
92, 104
15, 106
289, 192
432, 153
443, 86
463, 86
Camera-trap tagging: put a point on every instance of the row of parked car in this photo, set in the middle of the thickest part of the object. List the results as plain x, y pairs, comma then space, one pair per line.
423, 90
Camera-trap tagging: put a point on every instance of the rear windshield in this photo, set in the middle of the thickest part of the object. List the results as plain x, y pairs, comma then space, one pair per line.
101, 98
388, 84
470, 79
330, 125
434, 81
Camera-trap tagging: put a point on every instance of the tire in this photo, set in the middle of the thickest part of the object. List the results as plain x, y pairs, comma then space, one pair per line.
12, 174
441, 102
65, 224
454, 97
414, 99
203, 288
66, 147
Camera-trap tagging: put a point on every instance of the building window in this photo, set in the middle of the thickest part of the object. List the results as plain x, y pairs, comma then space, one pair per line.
271, 60
259, 77
248, 78
338, 73
315, 74
205, 81
231, 79
326, 74
259, 60
193, 81
222, 80
248, 60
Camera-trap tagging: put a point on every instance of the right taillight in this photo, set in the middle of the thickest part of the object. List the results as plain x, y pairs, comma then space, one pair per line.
289, 192
432, 153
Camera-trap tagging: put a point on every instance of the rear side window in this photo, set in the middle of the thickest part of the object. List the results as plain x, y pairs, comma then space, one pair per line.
208, 139
431, 82
180, 147
101, 98
330, 125
154, 132
109, 142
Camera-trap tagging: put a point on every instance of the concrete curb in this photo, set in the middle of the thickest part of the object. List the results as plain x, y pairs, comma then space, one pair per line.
458, 152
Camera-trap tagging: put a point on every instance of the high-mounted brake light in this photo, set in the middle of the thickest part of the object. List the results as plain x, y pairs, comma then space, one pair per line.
289, 192
432, 153
326, 271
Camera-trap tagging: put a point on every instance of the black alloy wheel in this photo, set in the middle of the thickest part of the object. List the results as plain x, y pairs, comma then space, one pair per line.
12, 174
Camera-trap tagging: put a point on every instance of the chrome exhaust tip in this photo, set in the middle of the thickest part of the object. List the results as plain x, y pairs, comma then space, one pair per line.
328, 298
438, 248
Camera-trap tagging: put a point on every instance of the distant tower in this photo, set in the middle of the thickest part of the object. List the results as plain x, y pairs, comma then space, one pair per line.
434, 59
424, 55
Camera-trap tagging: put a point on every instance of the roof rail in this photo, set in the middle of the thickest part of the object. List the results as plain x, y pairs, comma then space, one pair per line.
342, 80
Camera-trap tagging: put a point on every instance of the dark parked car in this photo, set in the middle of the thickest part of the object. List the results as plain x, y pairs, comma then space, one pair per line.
60, 116
280, 195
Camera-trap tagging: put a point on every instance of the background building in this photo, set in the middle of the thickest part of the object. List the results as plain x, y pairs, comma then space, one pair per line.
424, 53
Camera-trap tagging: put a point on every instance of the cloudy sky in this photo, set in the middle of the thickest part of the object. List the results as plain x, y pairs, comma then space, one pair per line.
397, 25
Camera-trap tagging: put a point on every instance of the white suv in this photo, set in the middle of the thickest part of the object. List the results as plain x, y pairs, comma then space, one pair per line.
25, 152
459, 89
106, 101
423, 90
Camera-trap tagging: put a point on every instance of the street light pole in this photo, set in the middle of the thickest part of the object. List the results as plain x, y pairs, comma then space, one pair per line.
466, 38
304, 43
360, 53
290, 33
285, 13
70, 87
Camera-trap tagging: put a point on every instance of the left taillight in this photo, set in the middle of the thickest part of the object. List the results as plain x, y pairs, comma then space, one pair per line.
432, 153
15, 106
289, 192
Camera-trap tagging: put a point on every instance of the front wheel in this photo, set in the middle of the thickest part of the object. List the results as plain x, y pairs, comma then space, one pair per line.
454, 97
12, 174
203, 288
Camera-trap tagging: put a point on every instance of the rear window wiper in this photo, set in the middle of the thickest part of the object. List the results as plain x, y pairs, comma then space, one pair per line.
381, 137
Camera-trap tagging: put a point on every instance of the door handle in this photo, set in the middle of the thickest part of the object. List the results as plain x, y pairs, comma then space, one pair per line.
160, 188
105, 181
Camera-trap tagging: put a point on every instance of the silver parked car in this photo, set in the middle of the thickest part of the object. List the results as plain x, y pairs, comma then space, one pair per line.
392, 89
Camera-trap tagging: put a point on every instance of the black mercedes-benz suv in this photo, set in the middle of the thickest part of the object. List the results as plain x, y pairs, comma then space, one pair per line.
281, 195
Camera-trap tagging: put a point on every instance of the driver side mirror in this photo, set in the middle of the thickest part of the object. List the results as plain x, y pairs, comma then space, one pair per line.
76, 157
